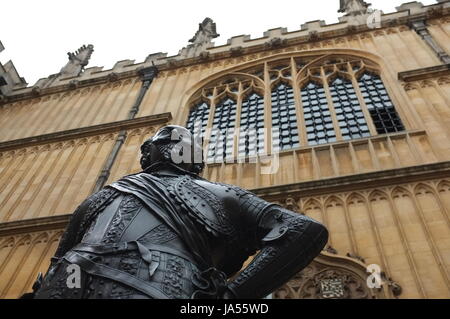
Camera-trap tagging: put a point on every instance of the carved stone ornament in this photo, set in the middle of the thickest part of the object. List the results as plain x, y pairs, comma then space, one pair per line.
336, 277
353, 7
206, 32
77, 61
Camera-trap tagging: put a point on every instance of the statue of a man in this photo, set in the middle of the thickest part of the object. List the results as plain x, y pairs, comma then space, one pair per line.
167, 233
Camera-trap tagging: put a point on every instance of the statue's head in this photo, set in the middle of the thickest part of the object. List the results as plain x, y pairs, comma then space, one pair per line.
175, 145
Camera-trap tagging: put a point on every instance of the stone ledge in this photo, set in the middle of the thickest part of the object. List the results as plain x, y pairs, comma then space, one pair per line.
425, 73
304, 189
86, 131
359, 181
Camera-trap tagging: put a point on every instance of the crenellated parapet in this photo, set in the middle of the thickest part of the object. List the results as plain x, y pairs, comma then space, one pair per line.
358, 18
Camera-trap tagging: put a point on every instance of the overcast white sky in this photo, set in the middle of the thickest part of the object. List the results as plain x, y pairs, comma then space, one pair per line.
37, 34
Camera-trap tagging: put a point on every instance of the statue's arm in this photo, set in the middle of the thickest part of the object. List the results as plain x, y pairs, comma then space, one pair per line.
287, 241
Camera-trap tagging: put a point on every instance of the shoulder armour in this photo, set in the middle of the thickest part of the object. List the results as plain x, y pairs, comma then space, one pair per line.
204, 206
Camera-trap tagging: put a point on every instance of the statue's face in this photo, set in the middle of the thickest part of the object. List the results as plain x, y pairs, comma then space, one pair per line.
168, 145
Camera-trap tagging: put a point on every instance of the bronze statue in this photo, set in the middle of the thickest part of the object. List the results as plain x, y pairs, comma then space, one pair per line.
167, 233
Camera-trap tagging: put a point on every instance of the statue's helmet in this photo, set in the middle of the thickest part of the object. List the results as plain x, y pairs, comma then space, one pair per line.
176, 145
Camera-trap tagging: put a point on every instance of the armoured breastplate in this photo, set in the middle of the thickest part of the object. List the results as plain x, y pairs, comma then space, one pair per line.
129, 243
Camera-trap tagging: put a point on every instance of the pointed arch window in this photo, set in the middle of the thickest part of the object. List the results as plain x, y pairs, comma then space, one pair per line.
349, 114
284, 119
222, 133
379, 104
318, 121
343, 99
251, 135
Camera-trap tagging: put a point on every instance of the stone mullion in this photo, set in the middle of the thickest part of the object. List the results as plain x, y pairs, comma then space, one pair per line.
28, 160
406, 246
31, 117
116, 89
8, 167
237, 127
20, 117
64, 118
267, 110
18, 268
431, 242
123, 105
315, 164
377, 234
355, 164
25, 191
324, 213
373, 155
95, 101
209, 126
298, 105
295, 165
72, 174
36, 267
56, 179
90, 104
393, 152
101, 101
334, 161
414, 149
351, 231
444, 209
326, 86
4, 263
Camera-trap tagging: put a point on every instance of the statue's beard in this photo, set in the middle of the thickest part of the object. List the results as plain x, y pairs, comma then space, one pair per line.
161, 155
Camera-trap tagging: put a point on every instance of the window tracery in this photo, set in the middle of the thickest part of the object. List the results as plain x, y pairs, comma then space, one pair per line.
292, 102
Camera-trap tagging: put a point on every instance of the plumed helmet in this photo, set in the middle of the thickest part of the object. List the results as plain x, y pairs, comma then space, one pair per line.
176, 145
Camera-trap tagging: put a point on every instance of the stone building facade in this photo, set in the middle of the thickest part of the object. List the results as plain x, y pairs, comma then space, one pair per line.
357, 126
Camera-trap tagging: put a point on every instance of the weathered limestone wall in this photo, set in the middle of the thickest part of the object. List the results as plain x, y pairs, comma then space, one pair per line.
50, 179
63, 111
402, 224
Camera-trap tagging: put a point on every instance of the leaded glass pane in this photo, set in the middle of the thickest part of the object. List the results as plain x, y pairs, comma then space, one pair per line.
350, 116
251, 136
222, 133
382, 110
319, 124
284, 120
198, 119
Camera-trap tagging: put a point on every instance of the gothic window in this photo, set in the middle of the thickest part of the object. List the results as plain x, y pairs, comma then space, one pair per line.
379, 104
284, 118
318, 121
198, 118
340, 99
251, 135
222, 133
349, 114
